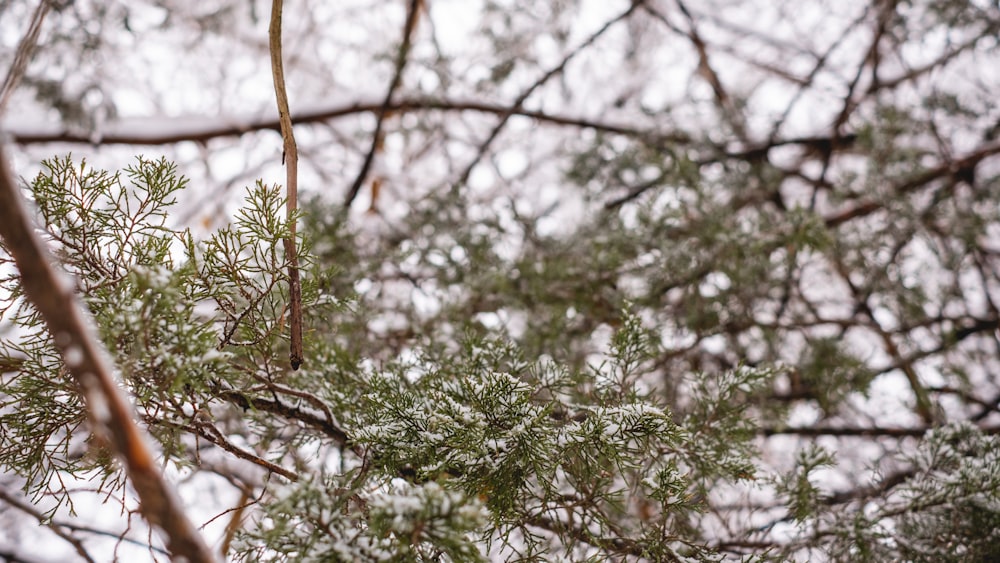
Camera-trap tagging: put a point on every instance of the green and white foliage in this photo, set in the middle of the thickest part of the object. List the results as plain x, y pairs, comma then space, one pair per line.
625, 280
463, 448
943, 507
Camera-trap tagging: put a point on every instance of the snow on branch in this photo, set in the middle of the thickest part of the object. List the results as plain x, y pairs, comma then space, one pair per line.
52, 293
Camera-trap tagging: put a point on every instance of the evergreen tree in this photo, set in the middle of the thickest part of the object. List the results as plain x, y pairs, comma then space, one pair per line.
638, 281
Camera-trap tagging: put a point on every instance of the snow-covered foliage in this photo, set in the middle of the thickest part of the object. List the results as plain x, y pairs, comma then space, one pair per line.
622, 280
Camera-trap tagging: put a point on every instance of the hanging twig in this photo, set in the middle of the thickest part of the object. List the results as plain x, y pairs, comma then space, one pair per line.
291, 160
52, 294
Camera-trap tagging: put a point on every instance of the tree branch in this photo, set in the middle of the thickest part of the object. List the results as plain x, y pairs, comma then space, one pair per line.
202, 130
330, 428
23, 55
523, 97
53, 296
209, 432
866, 432
56, 528
402, 56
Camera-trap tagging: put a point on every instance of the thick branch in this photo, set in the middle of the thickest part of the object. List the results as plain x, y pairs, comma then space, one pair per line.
53, 296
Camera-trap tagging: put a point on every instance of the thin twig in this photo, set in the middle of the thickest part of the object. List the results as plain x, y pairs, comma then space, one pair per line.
235, 521
291, 158
213, 435
53, 296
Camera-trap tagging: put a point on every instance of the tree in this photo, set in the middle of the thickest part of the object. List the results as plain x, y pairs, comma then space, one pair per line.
631, 281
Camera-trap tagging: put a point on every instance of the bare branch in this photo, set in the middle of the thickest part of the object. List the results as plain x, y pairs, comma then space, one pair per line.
204, 130
859, 431
291, 158
523, 97
23, 55
412, 16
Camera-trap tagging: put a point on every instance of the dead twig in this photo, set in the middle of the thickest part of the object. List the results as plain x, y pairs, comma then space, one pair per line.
291, 158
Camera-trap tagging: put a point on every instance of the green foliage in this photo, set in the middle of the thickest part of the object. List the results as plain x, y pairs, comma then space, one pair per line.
944, 509
397, 521
113, 237
464, 439
660, 284
804, 497
455, 450
950, 508
830, 373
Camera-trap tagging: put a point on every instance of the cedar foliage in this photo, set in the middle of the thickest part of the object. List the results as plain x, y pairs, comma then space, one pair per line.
696, 281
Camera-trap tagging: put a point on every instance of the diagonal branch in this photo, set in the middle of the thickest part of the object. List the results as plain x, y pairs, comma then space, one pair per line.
402, 56
722, 98
23, 55
291, 158
53, 296
209, 432
515, 107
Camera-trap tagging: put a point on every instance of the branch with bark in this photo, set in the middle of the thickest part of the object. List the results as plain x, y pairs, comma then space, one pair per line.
52, 293
202, 130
